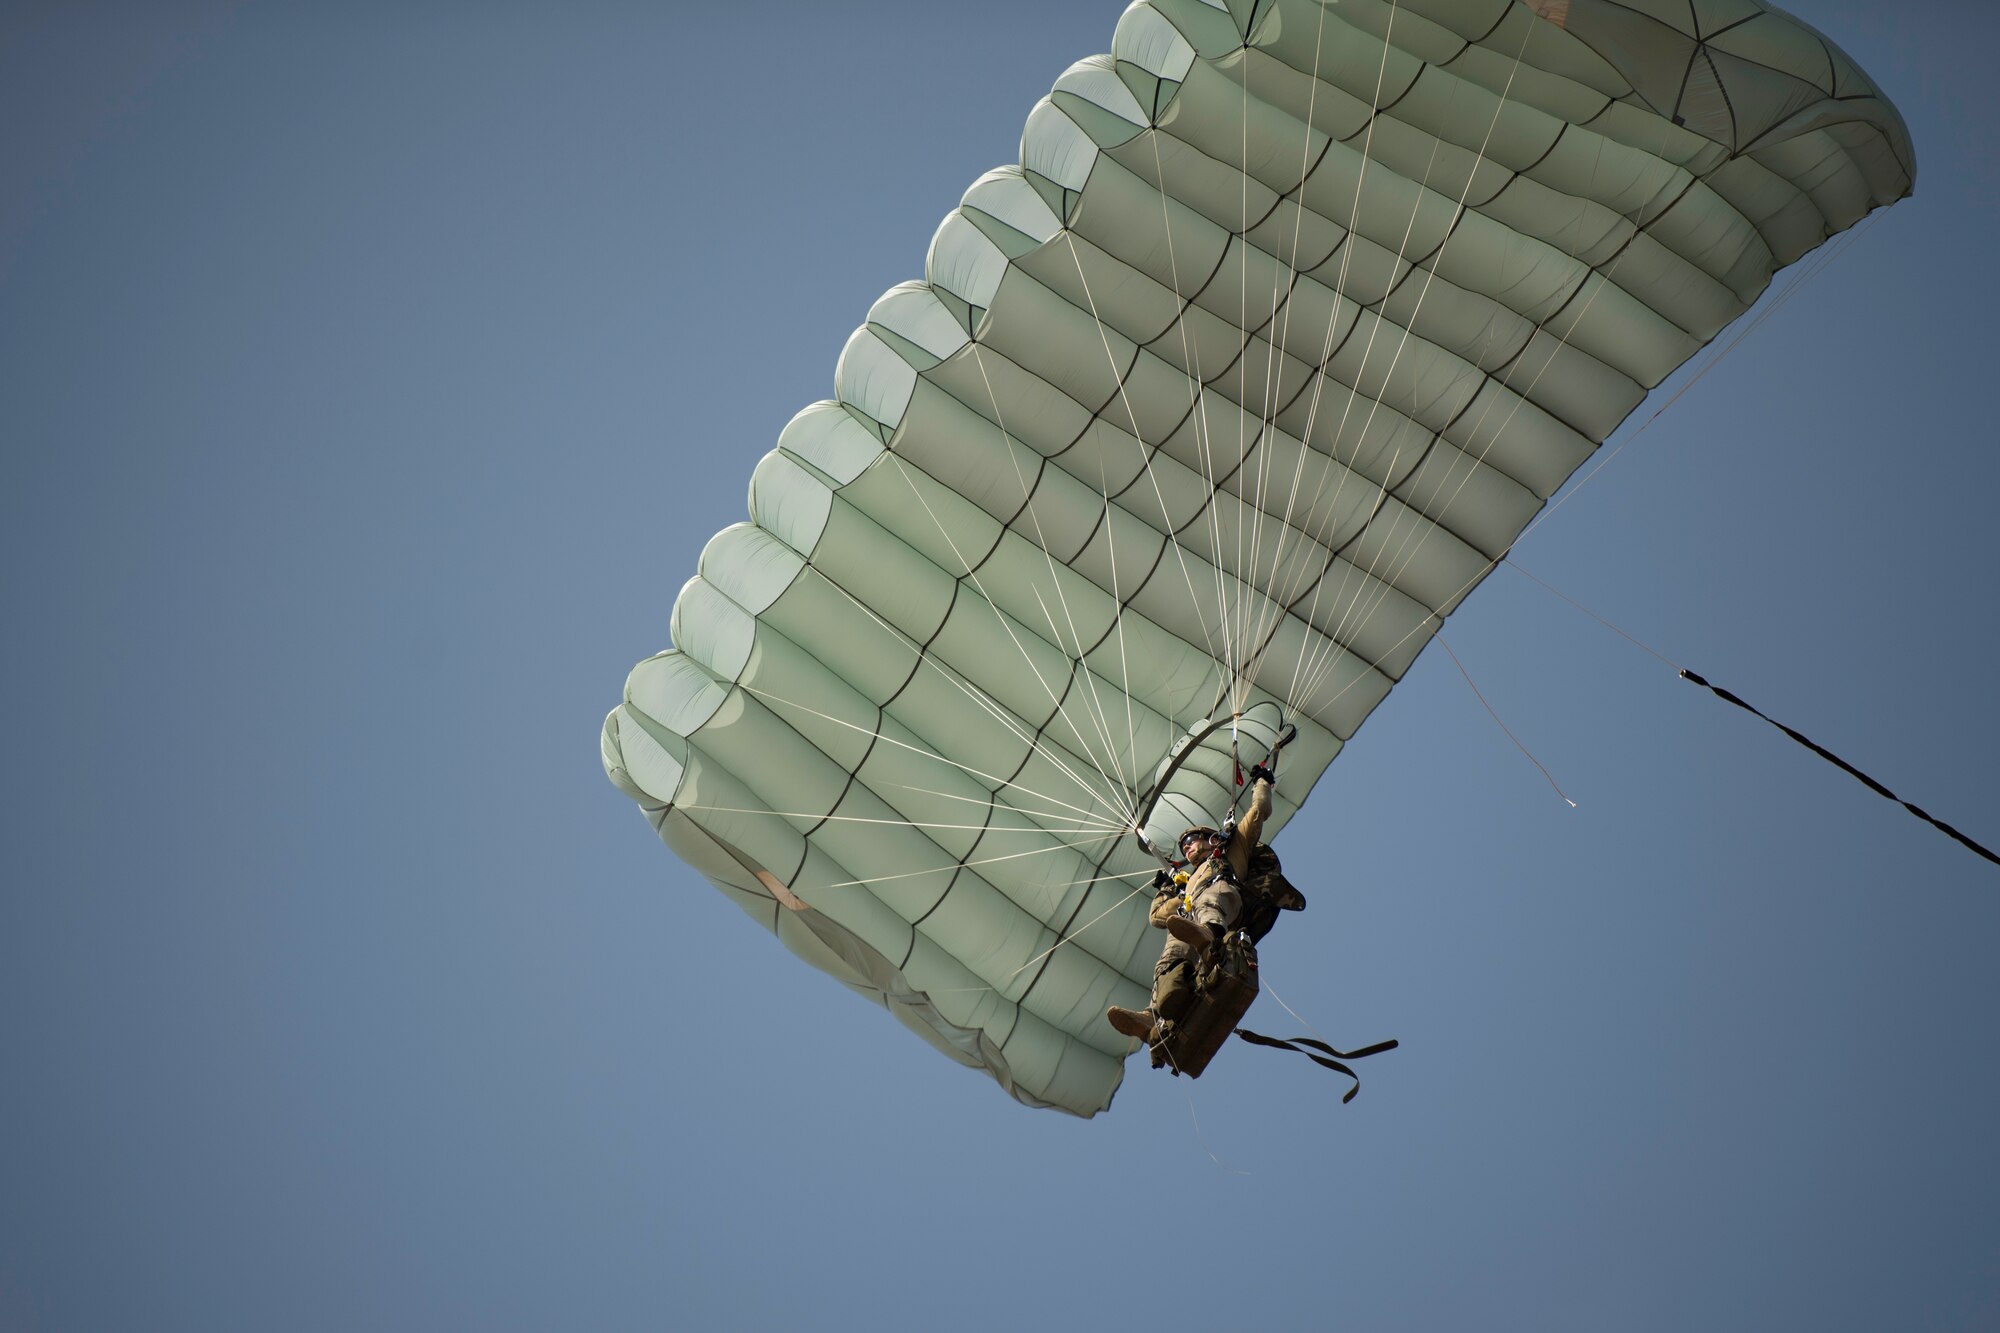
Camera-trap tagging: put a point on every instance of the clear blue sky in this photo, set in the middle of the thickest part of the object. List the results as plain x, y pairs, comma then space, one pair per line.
370, 378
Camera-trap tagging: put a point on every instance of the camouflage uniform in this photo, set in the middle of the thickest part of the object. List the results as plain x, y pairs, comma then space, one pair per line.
1210, 898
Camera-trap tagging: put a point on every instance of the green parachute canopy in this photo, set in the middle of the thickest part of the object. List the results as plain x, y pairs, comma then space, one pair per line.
1203, 418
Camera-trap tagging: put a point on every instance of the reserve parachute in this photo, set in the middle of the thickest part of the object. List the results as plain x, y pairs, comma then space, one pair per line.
1291, 319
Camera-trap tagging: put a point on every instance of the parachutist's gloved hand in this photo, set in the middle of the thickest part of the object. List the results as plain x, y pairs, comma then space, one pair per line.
1259, 771
1161, 880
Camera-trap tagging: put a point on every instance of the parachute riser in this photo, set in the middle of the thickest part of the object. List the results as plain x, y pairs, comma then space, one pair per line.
1183, 750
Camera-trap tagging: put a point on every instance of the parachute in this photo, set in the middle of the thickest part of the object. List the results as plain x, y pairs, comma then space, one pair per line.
1292, 318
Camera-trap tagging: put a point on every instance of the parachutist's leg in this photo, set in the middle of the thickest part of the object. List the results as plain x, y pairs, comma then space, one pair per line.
1216, 909
1173, 982
1188, 931
1173, 995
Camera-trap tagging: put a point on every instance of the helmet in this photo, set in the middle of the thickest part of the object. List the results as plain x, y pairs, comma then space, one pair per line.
1201, 831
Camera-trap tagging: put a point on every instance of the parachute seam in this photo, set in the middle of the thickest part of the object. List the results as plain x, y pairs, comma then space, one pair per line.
1062, 932
958, 863
1387, 486
852, 774
1376, 307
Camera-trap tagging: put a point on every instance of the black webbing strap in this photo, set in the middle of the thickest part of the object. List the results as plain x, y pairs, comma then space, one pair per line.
1332, 1059
1845, 767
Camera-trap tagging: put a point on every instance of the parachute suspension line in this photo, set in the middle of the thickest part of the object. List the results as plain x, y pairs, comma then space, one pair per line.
1808, 270
976, 861
1093, 826
1089, 820
1048, 557
999, 615
1728, 696
1320, 376
1110, 539
1197, 402
1098, 718
1321, 371
1041, 538
1326, 656
1076, 811
1812, 268
1235, 676
1274, 364
993, 707
979, 697
1124, 662
1194, 1119
1512, 564
1480, 695
1101, 725
1069, 936
1521, 397
1368, 351
1234, 636
1145, 453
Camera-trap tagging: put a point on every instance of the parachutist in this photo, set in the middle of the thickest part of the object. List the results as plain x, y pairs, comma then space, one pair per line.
1202, 901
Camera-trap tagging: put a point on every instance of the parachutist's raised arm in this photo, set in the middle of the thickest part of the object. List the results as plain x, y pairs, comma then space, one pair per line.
1250, 828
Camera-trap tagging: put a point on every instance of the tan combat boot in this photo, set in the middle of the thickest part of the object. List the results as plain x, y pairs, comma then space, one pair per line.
1136, 1023
1189, 931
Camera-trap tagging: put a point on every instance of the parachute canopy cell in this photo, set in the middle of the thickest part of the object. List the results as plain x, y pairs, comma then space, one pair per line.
1203, 418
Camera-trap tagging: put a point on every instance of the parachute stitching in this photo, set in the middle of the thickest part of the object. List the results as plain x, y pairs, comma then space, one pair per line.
1001, 617
1057, 815
1093, 826
1132, 415
1197, 411
1079, 813
953, 676
1687, 71
1043, 729
1375, 110
1097, 415
1540, 158
1809, 271
1306, 168
1346, 617
852, 774
1275, 362
1524, 396
1506, 385
1422, 533
1114, 830
1055, 579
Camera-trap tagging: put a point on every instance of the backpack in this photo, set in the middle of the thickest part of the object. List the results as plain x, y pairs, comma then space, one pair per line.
1266, 892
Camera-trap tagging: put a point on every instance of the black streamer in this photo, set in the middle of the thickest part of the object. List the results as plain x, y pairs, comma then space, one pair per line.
1845, 767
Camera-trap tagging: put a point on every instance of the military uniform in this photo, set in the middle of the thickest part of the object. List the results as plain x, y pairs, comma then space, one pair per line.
1211, 898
